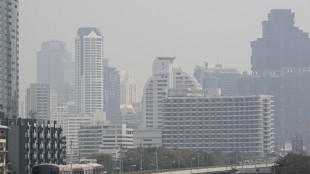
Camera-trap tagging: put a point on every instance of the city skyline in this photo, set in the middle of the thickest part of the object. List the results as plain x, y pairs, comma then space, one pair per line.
210, 28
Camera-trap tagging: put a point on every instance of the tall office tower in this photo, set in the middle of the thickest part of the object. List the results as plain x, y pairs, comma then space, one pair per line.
55, 67
9, 58
128, 88
111, 95
196, 120
89, 70
282, 45
38, 101
50, 63
218, 77
156, 87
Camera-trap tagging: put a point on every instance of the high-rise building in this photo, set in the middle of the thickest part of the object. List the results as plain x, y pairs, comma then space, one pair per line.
9, 57
89, 70
196, 120
282, 46
128, 88
163, 77
218, 77
291, 97
112, 95
55, 67
50, 63
38, 101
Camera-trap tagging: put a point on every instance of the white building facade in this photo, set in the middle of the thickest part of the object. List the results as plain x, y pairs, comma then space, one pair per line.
104, 138
38, 101
89, 70
71, 126
163, 77
242, 124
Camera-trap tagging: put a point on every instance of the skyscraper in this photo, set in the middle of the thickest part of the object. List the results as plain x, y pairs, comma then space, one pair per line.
55, 67
89, 70
9, 58
111, 95
283, 45
50, 63
128, 88
281, 65
163, 77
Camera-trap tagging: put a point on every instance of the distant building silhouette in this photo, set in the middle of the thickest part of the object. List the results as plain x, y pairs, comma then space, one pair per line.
282, 45
89, 70
112, 95
281, 67
128, 88
55, 67
297, 143
218, 77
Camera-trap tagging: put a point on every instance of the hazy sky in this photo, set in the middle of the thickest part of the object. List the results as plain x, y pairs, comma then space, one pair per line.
136, 31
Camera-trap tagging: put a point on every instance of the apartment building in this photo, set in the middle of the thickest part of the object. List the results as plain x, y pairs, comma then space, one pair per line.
193, 120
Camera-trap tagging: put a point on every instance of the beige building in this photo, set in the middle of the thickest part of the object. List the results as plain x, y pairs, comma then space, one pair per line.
3, 150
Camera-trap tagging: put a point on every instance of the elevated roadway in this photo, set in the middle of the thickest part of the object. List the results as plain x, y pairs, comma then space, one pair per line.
245, 169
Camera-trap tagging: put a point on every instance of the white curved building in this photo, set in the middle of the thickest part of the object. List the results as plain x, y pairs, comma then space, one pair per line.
163, 77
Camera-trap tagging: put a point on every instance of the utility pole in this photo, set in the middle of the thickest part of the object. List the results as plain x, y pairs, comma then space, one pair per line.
141, 151
156, 160
198, 158
71, 153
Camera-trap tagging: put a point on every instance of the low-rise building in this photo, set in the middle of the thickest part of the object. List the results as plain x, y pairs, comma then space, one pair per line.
3, 150
104, 138
147, 138
71, 126
194, 121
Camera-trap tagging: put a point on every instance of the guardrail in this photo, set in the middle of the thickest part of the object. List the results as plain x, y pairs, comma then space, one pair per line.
210, 169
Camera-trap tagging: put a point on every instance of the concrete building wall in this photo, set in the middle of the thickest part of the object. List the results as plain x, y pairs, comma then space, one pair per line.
147, 138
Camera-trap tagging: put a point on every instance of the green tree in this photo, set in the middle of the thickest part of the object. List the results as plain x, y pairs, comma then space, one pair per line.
293, 164
104, 159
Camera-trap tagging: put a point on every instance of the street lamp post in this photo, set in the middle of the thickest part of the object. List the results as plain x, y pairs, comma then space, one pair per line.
132, 168
171, 166
156, 160
148, 167
192, 164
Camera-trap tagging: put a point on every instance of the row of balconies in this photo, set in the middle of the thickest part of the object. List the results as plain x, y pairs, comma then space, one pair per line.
41, 146
41, 135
